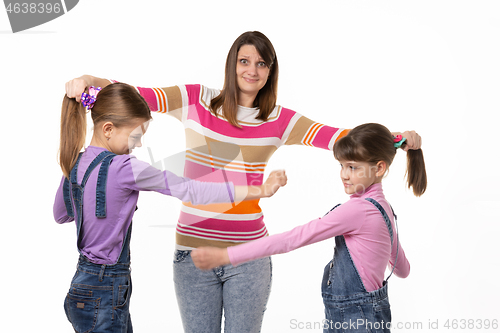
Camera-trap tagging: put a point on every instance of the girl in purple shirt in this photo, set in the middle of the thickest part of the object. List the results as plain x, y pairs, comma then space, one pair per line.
99, 191
353, 288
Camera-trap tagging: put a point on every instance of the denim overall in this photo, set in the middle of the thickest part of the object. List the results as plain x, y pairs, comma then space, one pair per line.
98, 299
348, 306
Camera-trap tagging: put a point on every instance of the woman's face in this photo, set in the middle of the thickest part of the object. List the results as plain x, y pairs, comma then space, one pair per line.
251, 74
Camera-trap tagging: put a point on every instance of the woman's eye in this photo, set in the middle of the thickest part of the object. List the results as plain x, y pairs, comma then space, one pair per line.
262, 64
243, 61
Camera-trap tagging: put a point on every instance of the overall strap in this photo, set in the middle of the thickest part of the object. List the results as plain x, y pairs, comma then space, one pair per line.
389, 226
332, 209
336, 240
100, 207
93, 164
77, 189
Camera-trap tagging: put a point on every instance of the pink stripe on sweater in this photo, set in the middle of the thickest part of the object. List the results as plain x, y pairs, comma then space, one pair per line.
207, 174
221, 236
250, 226
200, 115
150, 97
324, 136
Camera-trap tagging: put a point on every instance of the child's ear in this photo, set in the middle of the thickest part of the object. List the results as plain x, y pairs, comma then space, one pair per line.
107, 129
381, 168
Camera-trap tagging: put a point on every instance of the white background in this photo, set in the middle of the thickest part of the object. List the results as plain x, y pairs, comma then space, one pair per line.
432, 66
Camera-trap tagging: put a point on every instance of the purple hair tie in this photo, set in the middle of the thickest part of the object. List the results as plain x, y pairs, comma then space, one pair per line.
88, 100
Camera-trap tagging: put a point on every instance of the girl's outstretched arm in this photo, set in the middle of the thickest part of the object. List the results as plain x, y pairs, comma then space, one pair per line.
141, 176
346, 219
276, 179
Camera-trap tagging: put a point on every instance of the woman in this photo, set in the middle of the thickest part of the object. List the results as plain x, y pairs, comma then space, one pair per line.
245, 115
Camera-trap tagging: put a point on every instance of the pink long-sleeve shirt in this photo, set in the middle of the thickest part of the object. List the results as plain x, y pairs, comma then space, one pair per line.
363, 228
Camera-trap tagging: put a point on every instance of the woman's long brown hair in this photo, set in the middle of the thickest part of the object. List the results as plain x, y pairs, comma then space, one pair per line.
227, 100
373, 143
118, 103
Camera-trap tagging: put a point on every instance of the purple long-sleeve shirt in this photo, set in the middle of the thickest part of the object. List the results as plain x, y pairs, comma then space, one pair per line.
103, 237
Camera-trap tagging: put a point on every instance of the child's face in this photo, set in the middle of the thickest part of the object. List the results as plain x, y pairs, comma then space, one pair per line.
126, 138
358, 176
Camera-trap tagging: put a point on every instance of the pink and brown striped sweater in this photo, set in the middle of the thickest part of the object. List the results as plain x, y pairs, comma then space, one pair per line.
219, 151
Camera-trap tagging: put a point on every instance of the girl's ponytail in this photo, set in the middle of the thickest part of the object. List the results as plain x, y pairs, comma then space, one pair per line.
73, 132
415, 171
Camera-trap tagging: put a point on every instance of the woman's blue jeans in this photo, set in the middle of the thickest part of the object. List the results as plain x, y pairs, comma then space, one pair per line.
241, 293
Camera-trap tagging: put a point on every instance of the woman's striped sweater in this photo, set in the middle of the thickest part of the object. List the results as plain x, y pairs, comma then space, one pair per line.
219, 151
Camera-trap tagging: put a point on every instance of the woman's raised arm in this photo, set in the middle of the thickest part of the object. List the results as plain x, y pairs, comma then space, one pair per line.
75, 87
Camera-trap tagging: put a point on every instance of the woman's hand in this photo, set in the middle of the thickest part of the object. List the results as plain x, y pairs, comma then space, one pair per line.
77, 86
413, 140
209, 257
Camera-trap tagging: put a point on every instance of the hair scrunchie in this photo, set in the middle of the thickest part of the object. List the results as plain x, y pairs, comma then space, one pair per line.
88, 100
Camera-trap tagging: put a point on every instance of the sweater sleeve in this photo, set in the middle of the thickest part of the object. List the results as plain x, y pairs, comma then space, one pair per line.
303, 131
163, 100
402, 268
345, 219
137, 175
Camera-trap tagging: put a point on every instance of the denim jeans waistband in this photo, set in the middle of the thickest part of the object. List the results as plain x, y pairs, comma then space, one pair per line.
359, 298
105, 270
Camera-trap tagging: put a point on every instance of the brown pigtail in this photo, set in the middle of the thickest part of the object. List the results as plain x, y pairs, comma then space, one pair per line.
73, 132
415, 171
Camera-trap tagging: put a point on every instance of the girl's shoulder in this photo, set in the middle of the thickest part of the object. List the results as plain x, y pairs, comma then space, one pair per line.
118, 162
363, 206
354, 208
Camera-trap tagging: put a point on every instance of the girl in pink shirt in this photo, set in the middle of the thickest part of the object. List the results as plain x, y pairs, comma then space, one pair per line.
353, 288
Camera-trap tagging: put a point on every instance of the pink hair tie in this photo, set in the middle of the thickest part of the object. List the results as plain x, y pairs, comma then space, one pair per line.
88, 100
398, 141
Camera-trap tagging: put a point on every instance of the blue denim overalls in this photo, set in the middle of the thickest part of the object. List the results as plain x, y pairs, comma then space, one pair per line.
348, 306
98, 299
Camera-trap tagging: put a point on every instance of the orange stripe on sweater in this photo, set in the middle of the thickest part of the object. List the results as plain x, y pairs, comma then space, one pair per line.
162, 99
244, 207
222, 161
225, 164
312, 132
342, 134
